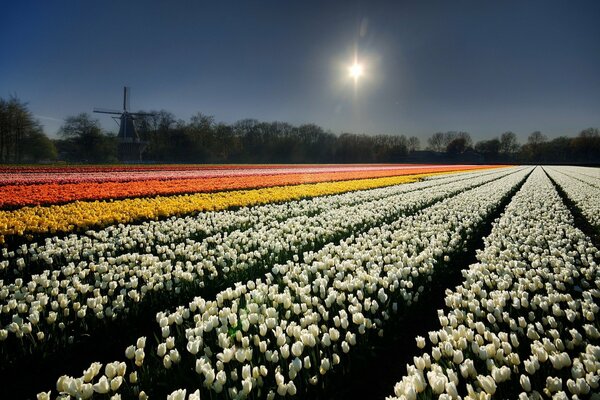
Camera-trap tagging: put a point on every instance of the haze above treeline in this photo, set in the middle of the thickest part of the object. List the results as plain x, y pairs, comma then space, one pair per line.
203, 140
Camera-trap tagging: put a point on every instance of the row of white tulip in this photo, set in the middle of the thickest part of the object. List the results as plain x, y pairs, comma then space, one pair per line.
278, 334
584, 195
59, 303
583, 174
524, 323
593, 172
586, 174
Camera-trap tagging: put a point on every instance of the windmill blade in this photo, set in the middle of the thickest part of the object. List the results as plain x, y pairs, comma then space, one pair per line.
125, 100
107, 111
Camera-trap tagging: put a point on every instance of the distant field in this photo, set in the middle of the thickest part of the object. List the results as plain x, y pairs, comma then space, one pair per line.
276, 281
87, 195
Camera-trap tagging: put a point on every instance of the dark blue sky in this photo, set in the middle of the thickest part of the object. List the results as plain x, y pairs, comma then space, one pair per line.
481, 66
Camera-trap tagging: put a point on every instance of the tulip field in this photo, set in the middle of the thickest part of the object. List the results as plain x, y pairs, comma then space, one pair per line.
289, 281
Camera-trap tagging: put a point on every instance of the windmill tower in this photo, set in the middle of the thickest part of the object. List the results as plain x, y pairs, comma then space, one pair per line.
130, 144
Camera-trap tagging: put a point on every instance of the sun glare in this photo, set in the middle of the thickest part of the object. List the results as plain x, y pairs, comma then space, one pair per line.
356, 71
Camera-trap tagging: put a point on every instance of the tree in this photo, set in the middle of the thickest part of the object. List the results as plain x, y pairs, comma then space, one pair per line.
351, 147
590, 133
489, 149
586, 146
310, 143
83, 140
536, 138
508, 143
436, 142
440, 141
386, 148
466, 136
201, 139
21, 136
201, 121
532, 150
17, 122
457, 146
38, 147
156, 129
414, 144
79, 126
245, 126
557, 150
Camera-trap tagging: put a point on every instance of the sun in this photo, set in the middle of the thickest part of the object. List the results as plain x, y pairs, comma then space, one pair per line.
356, 71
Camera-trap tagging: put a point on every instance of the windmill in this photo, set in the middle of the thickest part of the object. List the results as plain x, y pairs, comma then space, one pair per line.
130, 145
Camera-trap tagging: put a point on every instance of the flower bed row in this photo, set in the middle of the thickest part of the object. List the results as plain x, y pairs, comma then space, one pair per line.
584, 195
83, 285
524, 323
277, 335
582, 174
12, 196
586, 174
78, 175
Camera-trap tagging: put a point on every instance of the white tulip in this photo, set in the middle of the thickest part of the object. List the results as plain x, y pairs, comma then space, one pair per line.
177, 395
103, 386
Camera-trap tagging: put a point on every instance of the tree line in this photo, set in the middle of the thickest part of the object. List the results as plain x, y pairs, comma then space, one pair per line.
581, 149
252, 141
203, 140
22, 138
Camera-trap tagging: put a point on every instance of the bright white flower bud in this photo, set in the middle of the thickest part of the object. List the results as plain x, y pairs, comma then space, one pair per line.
525, 383
102, 386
